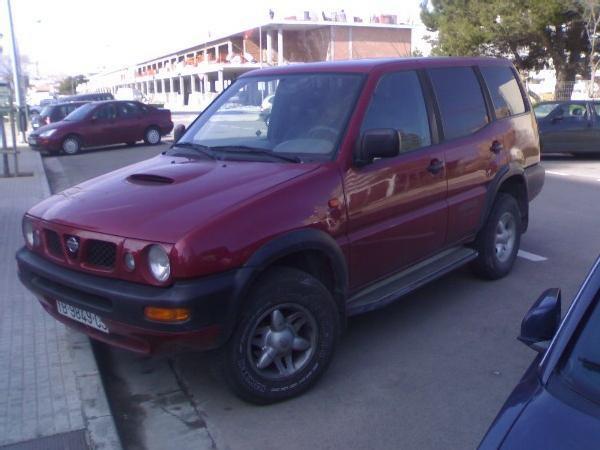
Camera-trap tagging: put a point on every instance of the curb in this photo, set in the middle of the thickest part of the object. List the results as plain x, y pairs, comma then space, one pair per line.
97, 416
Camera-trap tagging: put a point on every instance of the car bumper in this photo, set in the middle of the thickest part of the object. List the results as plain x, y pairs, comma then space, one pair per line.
534, 177
120, 305
43, 144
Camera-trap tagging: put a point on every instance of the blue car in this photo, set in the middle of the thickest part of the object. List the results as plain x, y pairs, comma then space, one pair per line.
556, 405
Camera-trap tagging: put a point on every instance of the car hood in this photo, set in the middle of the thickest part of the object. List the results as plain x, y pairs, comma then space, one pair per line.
163, 198
549, 423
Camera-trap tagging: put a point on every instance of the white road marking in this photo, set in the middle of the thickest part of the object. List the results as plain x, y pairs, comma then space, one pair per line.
531, 256
553, 172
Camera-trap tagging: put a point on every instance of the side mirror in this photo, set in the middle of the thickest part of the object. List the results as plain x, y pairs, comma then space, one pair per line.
178, 132
541, 322
378, 143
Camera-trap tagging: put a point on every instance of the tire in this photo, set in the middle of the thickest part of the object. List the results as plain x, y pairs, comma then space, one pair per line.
71, 145
288, 312
152, 136
497, 254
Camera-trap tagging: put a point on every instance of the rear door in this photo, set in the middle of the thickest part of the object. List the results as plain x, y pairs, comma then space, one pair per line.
397, 206
567, 128
468, 143
130, 120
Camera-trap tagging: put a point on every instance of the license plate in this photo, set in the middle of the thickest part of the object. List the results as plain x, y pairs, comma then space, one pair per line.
32, 140
81, 316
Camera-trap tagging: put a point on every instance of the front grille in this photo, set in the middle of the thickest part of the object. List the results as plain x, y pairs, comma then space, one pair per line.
53, 243
100, 254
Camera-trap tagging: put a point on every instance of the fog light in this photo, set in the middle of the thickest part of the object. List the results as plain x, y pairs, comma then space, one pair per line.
166, 314
129, 261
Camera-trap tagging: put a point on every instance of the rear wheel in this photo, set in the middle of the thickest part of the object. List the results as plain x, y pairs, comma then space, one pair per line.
152, 136
499, 240
285, 338
71, 145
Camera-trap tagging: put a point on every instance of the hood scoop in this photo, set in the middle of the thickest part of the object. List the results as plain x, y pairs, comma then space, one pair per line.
149, 178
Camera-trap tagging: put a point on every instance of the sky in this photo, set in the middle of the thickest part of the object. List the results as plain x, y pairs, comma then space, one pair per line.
69, 37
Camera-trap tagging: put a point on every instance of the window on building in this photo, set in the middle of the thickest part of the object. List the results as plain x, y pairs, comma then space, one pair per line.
398, 103
460, 100
504, 90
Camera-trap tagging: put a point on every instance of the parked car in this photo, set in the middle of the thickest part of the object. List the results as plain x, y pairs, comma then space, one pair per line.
36, 109
556, 405
371, 179
265, 108
569, 126
103, 123
92, 97
127, 93
54, 113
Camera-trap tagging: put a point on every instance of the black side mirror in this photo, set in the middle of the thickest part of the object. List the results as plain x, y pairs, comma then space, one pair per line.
541, 322
178, 132
378, 143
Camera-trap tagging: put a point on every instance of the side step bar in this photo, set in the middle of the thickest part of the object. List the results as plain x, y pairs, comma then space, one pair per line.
391, 289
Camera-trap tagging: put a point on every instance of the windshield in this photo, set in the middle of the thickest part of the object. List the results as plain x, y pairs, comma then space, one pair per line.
80, 113
581, 370
297, 115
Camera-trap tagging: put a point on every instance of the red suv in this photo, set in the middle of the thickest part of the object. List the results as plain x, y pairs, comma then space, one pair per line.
103, 123
370, 179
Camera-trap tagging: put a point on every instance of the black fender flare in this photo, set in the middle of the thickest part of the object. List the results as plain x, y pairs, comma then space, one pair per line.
277, 248
512, 169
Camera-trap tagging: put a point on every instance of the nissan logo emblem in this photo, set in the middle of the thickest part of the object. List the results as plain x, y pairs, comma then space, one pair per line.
72, 245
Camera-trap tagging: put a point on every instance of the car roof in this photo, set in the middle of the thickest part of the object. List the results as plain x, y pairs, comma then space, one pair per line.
368, 65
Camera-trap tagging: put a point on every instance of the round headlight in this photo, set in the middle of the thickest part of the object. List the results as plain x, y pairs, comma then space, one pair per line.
28, 232
158, 263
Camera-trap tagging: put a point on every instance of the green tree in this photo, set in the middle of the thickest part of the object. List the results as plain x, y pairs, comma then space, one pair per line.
69, 85
535, 34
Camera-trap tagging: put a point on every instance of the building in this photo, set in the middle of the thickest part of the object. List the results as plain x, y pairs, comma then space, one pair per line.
192, 77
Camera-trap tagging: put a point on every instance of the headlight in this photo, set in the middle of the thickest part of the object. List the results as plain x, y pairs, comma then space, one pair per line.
158, 263
48, 133
28, 232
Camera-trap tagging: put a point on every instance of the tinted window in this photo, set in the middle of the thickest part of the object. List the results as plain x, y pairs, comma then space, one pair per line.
126, 109
504, 90
106, 112
460, 100
80, 113
398, 103
543, 109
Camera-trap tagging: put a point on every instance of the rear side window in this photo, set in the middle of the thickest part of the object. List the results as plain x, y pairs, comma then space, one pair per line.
398, 103
504, 90
460, 100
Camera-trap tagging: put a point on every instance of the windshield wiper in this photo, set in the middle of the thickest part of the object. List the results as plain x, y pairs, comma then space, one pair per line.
204, 149
259, 151
589, 364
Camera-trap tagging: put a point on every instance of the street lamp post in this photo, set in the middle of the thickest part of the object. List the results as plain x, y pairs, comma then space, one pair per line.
16, 66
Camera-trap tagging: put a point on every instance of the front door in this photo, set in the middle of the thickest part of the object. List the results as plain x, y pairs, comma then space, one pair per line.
103, 128
129, 116
396, 206
567, 128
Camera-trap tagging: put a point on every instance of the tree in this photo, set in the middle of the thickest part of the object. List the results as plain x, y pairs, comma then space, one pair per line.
535, 34
69, 85
591, 18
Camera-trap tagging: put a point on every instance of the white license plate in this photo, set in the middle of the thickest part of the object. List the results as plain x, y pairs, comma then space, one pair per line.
81, 316
32, 140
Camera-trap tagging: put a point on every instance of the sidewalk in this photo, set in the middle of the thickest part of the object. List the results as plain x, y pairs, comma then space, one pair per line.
50, 386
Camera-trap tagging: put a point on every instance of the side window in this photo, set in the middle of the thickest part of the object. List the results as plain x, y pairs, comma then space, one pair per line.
596, 108
573, 112
504, 90
127, 110
398, 103
460, 100
106, 112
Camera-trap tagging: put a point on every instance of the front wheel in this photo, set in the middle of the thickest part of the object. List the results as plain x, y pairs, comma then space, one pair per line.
499, 240
152, 136
285, 338
71, 145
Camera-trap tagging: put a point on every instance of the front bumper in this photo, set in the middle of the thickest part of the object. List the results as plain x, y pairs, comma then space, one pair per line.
45, 144
121, 305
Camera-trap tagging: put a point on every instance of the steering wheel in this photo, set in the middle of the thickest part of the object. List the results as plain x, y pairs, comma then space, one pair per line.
323, 132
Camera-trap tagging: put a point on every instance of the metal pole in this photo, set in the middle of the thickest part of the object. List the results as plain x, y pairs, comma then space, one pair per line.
15, 64
4, 148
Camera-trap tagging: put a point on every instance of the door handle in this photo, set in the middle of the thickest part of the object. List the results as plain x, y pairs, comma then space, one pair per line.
435, 166
496, 147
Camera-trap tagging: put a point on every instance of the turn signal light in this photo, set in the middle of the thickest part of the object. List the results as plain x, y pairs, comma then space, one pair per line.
166, 314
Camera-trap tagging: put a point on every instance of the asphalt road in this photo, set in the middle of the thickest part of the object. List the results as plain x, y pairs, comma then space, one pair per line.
430, 371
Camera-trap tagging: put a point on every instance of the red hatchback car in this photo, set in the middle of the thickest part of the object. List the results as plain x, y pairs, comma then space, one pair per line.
103, 123
370, 179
